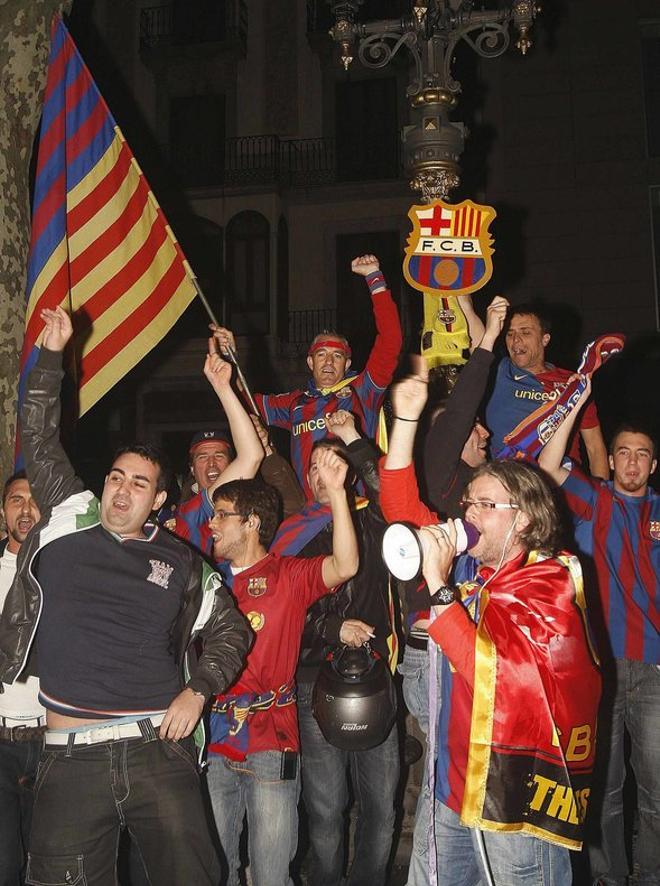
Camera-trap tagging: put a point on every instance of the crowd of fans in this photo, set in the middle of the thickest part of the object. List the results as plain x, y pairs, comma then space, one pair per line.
138, 656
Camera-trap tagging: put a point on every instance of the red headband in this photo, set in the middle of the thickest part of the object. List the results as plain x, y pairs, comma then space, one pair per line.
336, 344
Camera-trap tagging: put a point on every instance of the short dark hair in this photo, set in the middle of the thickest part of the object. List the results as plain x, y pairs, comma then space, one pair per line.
333, 443
533, 309
634, 428
17, 475
253, 497
155, 455
529, 489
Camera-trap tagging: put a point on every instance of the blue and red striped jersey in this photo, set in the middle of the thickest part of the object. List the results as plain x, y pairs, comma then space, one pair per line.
621, 534
302, 413
192, 522
517, 393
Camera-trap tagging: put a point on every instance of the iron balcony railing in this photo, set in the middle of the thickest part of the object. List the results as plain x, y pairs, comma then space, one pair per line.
194, 21
304, 325
268, 160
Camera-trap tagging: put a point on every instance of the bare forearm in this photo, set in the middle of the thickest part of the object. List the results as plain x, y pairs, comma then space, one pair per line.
343, 563
476, 327
552, 454
402, 441
249, 451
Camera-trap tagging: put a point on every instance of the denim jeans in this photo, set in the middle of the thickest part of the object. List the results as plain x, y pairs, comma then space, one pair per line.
414, 670
254, 786
630, 700
18, 767
84, 797
374, 775
513, 859
418, 868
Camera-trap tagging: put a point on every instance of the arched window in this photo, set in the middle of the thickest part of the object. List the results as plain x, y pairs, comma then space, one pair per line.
248, 273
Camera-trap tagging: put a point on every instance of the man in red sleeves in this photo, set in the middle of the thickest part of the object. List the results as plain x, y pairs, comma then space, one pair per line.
333, 385
520, 685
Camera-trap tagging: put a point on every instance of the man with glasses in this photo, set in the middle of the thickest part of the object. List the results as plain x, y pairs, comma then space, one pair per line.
254, 748
520, 688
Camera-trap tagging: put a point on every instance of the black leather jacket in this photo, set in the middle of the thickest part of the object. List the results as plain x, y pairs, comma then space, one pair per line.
206, 611
366, 595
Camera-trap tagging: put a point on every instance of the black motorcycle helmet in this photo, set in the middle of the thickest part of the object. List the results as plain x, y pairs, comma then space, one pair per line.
354, 701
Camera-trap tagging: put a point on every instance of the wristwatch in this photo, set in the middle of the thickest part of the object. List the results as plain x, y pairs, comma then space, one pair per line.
443, 596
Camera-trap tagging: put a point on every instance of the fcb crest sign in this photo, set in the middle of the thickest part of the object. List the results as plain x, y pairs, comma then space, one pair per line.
450, 250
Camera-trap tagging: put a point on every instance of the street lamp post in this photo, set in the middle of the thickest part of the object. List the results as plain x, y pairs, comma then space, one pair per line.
433, 143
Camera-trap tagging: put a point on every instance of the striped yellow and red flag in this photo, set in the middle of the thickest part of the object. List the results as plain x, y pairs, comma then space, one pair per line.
101, 246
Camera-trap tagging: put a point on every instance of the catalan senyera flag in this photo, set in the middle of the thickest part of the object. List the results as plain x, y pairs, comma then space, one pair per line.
101, 246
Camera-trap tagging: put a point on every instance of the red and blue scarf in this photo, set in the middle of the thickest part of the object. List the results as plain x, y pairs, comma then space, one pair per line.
529, 437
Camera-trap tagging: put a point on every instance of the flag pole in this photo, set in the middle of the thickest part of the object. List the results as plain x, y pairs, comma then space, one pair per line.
230, 352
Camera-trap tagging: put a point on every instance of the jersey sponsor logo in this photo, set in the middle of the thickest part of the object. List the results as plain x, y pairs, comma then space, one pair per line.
257, 586
449, 250
525, 394
654, 530
160, 573
519, 377
306, 427
257, 620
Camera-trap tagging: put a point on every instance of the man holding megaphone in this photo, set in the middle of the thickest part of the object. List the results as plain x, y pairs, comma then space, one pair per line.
520, 686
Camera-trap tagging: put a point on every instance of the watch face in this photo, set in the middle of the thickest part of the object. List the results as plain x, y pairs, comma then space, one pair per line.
443, 596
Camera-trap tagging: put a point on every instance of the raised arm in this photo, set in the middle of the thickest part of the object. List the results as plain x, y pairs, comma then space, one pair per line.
276, 471
343, 563
552, 455
389, 338
447, 435
51, 476
399, 495
362, 454
249, 451
476, 327
408, 401
596, 452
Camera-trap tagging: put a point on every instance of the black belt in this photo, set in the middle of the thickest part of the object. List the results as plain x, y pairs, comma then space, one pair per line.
417, 642
21, 733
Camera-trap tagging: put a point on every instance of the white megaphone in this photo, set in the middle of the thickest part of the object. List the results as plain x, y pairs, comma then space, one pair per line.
402, 548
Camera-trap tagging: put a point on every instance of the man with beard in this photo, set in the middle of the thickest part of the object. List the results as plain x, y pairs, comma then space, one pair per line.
516, 672
22, 717
617, 526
